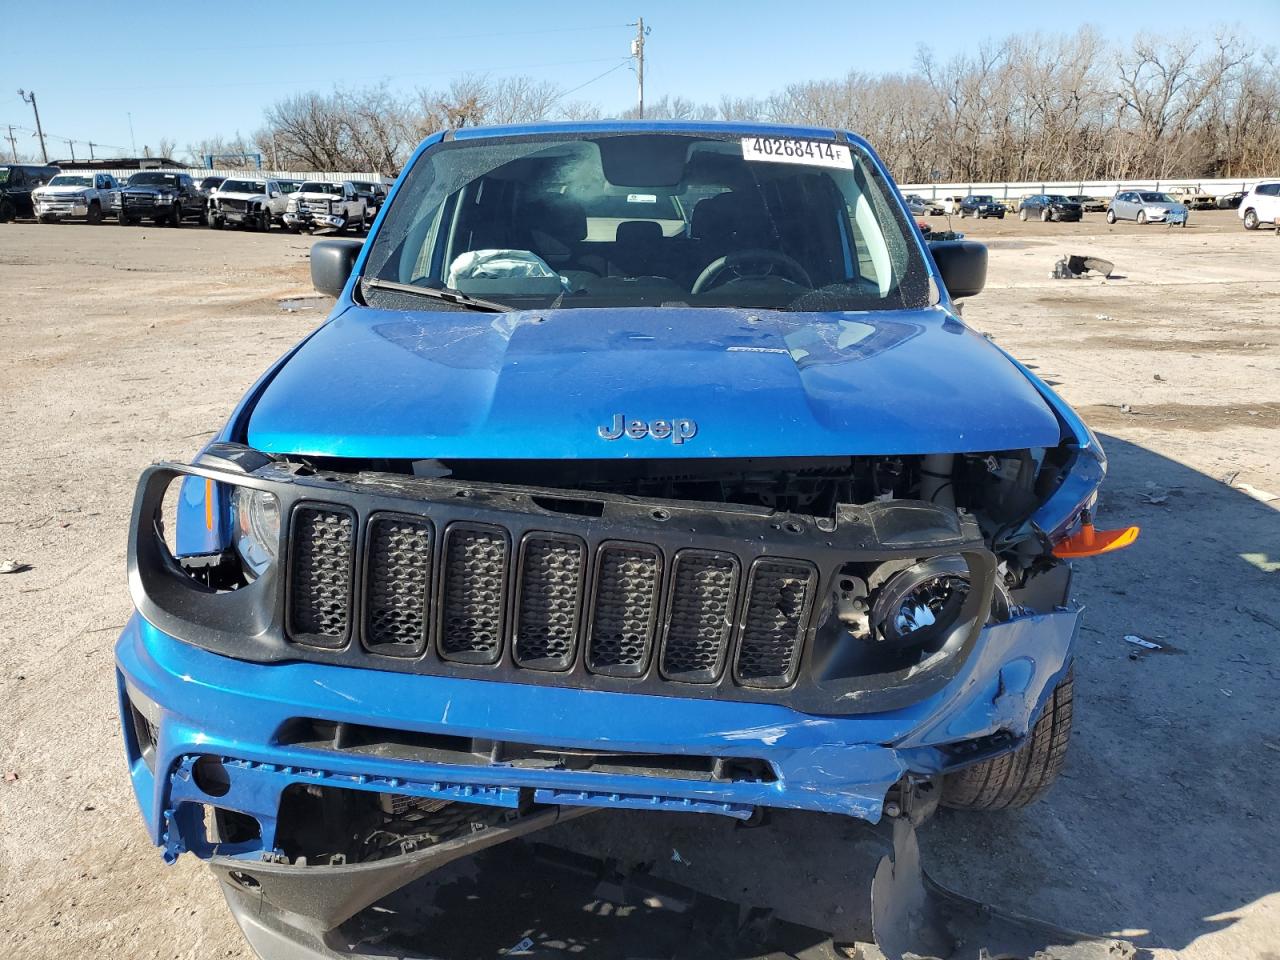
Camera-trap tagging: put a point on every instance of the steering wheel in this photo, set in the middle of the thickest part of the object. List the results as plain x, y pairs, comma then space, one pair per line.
771, 258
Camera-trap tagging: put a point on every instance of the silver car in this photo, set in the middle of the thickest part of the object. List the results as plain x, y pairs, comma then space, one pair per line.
1147, 206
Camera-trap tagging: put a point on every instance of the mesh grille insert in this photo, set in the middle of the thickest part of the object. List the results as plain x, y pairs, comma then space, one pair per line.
700, 607
397, 583
777, 612
546, 631
320, 575
626, 606
473, 597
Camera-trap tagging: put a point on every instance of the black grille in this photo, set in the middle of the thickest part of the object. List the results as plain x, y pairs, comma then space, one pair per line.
700, 606
550, 596
320, 575
473, 596
231, 204
397, 584
625, 609
778, 602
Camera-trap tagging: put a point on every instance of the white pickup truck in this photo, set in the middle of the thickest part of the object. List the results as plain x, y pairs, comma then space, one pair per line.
326, 206
247, 202
85, 195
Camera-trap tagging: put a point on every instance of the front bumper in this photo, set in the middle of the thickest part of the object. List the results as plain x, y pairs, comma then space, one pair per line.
313, 221
62, 208
201, 704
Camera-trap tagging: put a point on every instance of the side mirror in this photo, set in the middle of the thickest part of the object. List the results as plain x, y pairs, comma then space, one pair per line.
962, 264
331, 264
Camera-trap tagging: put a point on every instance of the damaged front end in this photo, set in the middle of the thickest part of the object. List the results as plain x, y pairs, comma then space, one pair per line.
373, 667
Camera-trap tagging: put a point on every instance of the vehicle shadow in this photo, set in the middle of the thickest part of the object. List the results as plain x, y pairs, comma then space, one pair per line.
1164, 823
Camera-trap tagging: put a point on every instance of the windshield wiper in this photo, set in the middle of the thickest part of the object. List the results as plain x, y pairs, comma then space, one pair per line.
456, 297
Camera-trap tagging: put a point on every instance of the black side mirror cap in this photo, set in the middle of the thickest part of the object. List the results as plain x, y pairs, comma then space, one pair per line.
331, 264
962, 264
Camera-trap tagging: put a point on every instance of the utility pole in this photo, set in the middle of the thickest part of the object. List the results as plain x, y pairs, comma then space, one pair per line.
31, 99
132, 139
71, 145
91, 156
637, 51
13, 143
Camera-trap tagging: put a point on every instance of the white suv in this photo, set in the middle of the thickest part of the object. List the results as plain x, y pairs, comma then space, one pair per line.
1261, 205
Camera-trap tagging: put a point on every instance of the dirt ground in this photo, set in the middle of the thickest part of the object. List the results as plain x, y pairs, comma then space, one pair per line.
127, 345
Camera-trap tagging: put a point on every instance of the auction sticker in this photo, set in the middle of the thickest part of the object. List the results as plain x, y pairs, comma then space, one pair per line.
785, 150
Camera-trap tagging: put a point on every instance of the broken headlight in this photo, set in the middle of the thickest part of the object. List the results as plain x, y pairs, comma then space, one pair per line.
917, 607
255, 528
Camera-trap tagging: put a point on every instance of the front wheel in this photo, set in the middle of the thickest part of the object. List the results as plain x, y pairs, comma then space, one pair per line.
175, 215
46, 218
1023, 776
1022, 214
7, 211
1251, 219
1142, 216
215, 222
1111, 216
125, 219
95, 213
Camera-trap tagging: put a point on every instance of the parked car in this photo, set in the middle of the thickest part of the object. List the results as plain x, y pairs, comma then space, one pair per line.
86, 195
1193, 198
374, 194
1146, 206
247, 202
1089, 204
485, 545
1260, 205
162, 196
916, 204
982, 206
1049, 206
1230, 201
326, 206
951, 205
207, 185
17, 180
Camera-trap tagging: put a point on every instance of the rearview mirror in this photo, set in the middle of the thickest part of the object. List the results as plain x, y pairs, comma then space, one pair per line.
962, 264
331, 264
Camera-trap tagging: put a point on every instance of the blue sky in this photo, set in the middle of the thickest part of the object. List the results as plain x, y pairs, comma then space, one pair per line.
185, 72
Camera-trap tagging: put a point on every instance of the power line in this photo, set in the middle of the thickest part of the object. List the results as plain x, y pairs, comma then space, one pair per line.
418, 42
600, 76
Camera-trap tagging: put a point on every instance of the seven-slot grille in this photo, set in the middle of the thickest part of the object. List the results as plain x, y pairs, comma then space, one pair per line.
454, 590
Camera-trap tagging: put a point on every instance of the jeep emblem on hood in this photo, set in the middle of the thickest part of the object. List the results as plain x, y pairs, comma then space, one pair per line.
677, 430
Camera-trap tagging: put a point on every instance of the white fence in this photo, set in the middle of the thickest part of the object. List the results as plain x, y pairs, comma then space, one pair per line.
1088, 188
242, 173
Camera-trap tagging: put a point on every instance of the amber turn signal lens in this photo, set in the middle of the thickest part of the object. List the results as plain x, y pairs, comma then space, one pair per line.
1089, 541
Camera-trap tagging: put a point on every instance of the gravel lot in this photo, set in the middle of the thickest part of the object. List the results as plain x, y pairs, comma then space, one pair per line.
128, 345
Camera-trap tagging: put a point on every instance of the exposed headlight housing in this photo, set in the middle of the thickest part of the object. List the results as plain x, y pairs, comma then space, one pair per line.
255, 528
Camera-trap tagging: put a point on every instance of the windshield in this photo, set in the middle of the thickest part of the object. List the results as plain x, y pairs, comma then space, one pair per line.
316, 186
68, 180
650, 220
1156, 198
363, 187
243, 186
289, 186
154, 179
1058, 198
980, 198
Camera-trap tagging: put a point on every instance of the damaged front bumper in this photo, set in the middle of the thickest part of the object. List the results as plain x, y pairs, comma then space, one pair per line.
243, 720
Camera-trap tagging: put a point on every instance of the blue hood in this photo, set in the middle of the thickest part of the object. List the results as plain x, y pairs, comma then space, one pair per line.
444, 384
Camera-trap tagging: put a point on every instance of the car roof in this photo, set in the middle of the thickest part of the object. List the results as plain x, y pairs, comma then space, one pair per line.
739, 128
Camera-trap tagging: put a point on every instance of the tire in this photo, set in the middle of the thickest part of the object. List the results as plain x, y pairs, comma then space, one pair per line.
1046, 215
1250, 219
175, 215
1022, 214
95, 213
264, 221
215, 223
1023, 776
46, 218
1111, 216
1142, 217
7, 211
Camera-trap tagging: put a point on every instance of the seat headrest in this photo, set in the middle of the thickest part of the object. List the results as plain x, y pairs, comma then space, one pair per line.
636, 232
732, 216
560, 218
